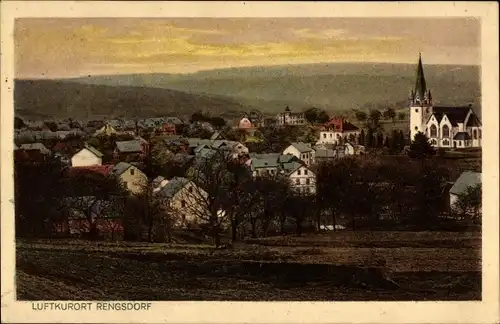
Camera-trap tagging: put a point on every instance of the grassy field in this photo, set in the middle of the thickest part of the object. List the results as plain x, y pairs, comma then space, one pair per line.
332, 266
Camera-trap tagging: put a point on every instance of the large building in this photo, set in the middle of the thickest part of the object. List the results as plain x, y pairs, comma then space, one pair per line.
445, 126
290, 118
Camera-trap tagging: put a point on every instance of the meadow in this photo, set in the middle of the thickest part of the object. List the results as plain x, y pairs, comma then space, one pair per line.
331, 266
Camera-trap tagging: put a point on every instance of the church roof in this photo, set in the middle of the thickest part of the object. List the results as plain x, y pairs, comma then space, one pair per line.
473, 121
455, 114
420, 85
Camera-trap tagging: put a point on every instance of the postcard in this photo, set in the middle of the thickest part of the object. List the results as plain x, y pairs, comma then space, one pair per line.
256, 162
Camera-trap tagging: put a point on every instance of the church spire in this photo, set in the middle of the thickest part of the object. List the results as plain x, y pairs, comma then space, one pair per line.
420, 87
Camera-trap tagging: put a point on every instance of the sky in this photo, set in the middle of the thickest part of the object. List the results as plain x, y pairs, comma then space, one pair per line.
69, 47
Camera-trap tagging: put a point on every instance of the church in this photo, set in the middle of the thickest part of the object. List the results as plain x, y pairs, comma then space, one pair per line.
447, 127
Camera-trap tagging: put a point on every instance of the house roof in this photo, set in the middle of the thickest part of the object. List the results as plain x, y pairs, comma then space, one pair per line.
132, 146
455, 114
174, 120
215, 136
286, 158
95, 151
290, 167
465, 180
462, 136
325, 153
173, 186
35, 146
268, 162
302, 147
101, 169
120, 168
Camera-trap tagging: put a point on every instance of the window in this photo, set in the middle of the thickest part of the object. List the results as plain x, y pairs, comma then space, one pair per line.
132, 171
446, 131
416, 110
479, 133
474, 132
416, 128
446, 142
125, 184
298, 172
324, 135
297, 182
433, 131
433, 142
459, 143
305, 172
183, 203
190, 189
331, 135
308, 181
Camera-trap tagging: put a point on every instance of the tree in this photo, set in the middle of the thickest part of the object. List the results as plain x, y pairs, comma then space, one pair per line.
211, 194
198, 117
401, 116
420, 148
218, 122
361, 116
94, 196
361, 137
18, 123
273, 193
35, 206
390, 114
370, 141
374, 118
469, 203
316, 115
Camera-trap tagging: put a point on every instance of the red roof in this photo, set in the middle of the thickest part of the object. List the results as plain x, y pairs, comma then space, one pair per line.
341, 125
101, 169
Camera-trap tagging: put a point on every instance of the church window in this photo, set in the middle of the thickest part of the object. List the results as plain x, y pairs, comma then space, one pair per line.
446, 131
433, 131
416, 110
433, 142
475, 133
426, 110
416, 128
479, 133
446, 142
324, 135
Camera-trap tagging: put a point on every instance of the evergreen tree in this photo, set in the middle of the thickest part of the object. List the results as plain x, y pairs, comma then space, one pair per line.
420, 148
369, 138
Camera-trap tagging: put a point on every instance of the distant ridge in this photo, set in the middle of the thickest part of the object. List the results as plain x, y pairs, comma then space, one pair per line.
53, 99
332, 86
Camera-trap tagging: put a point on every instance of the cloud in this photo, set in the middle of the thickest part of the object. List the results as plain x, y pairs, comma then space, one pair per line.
319, 34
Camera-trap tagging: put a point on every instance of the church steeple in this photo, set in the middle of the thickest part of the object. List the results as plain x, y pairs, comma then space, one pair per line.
420, 86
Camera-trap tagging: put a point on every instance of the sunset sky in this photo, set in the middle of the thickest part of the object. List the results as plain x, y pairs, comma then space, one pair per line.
67, 47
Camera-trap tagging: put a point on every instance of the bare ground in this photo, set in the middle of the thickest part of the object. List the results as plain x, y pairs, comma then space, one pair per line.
291, 268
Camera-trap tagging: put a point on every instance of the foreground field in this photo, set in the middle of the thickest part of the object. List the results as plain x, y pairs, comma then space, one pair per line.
338, 266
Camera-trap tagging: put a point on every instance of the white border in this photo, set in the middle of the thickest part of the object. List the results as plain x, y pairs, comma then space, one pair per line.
486, 311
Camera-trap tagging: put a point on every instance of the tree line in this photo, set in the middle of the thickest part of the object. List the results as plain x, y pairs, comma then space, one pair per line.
354, 192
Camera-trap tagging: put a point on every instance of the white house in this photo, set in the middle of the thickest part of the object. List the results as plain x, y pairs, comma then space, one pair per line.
455, 126
301, 178
302, 151
338, 131
87, 156
465, 180
133, 179
186, 201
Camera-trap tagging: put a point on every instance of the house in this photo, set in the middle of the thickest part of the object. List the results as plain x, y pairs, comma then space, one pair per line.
338, 131
35, 147
290, 118
245, 124
465, 180
132, 151
83, 213
236, 148
133, 179
184, 200
301, 177
106, 130
445, 126
302, 151
103, 170
353, 149
265, 165
87, 156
